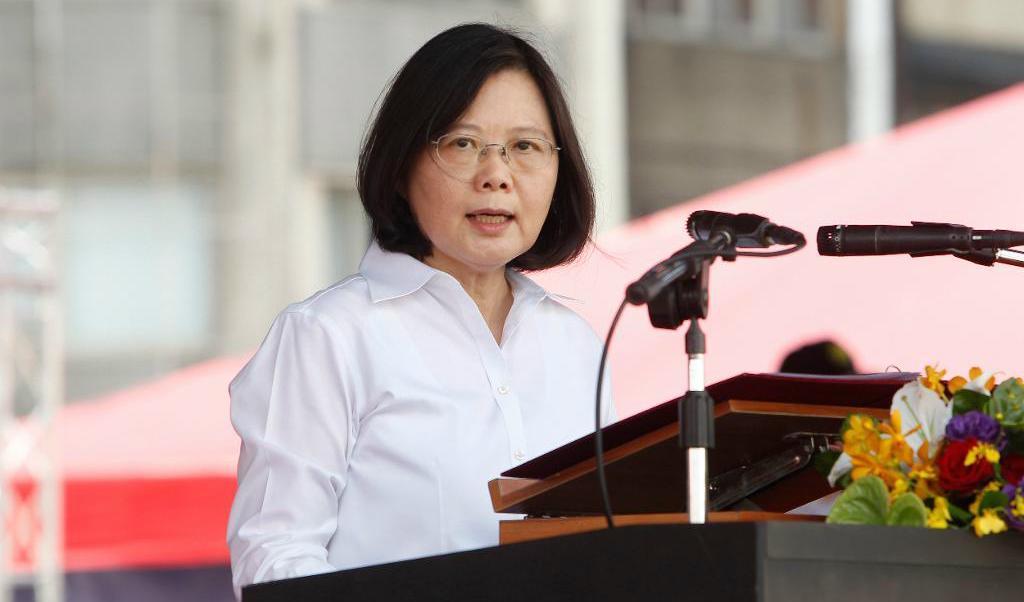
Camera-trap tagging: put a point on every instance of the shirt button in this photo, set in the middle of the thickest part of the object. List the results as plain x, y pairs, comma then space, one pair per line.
519, 455
502, 390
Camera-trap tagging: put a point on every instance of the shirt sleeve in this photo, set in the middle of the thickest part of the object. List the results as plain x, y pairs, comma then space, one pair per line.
291, 406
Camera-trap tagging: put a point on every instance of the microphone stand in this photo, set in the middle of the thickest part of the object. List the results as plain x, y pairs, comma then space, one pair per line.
675, 291
696, 426
985, 257
686, 299
1010, 257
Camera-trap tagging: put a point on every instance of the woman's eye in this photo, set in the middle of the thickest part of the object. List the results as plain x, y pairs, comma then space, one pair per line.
525, 146
463, 143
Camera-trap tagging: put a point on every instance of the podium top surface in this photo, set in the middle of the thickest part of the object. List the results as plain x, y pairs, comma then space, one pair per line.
854, 391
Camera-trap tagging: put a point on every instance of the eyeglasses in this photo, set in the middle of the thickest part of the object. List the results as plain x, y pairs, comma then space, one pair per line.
460, 154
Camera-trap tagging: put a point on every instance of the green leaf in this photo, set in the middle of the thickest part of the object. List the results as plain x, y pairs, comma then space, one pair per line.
823, 461
965, 401
1007, 404
1014, 442
907, 511
959, 515
993, 499
865, 502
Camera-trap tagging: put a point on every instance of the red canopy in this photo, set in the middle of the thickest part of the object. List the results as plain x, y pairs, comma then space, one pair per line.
150, 471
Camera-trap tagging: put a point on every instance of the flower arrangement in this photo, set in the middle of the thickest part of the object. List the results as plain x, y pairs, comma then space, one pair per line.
951, 455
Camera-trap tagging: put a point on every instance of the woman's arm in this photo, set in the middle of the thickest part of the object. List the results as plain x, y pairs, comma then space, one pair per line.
291, 407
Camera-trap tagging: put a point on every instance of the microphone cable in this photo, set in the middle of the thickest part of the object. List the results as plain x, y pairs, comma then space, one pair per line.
602, 481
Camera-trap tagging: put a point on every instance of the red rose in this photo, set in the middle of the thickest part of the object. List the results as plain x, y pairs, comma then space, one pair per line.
1012, 467
954, 477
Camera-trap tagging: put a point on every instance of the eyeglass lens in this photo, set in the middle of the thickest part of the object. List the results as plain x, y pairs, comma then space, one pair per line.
464, 151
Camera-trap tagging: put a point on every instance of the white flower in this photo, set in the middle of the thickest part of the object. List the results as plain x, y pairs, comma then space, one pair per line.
978, 384
919, 405
842, 466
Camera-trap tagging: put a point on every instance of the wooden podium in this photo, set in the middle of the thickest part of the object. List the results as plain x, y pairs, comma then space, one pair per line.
760, 420
760, 556
741, 562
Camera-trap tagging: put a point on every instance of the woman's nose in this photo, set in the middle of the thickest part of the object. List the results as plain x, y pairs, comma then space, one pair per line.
493, 173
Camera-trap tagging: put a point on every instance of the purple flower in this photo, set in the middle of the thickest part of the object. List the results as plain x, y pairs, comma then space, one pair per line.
1015, 508
973, 424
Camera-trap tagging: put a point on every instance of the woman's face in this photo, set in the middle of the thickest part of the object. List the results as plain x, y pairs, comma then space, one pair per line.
493, 214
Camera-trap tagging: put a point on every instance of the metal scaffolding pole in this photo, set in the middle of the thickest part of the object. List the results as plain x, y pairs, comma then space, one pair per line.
870, 41
31, 393
594, 33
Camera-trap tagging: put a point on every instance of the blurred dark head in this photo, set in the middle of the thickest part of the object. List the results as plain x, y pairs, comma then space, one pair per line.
823, 357
425, 98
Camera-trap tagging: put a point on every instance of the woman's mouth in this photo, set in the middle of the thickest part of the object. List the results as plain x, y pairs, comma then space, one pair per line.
485, 218
490, 222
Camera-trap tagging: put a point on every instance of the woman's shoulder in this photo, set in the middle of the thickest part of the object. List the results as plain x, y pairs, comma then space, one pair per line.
562, 314
558, 312
346, 302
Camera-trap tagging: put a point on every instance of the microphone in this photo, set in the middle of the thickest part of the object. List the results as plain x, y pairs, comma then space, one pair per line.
657, 278
921, 238
723, 230
745, 230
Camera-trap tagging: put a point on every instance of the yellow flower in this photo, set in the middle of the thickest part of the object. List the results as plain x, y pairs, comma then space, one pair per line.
879, 449
896, 449
861, 434
932, 379
982, 450
992, 486
939, 517
1017, 506
923, 472
988, 523
899, 487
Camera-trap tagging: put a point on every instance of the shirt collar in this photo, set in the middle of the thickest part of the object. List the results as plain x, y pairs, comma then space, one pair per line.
525, 288
392, 275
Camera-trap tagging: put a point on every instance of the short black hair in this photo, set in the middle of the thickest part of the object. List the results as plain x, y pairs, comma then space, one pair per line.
431, 91
821, 357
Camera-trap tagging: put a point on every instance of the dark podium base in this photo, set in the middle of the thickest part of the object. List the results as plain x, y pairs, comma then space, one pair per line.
730, 561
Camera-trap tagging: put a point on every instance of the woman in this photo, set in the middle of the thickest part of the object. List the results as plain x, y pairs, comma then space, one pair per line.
375, 412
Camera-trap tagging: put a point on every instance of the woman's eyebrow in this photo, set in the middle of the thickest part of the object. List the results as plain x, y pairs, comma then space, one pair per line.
529, 129
518, 130
462, 125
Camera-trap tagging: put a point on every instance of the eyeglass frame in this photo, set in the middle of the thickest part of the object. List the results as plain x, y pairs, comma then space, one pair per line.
505, 156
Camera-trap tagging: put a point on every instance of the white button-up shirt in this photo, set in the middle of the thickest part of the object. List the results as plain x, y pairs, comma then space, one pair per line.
376, 411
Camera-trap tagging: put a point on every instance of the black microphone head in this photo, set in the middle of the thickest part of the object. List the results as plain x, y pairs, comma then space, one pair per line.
701, 224
744, 229
698, 219
830, 240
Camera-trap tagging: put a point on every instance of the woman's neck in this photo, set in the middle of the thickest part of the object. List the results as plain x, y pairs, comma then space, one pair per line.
490, 291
